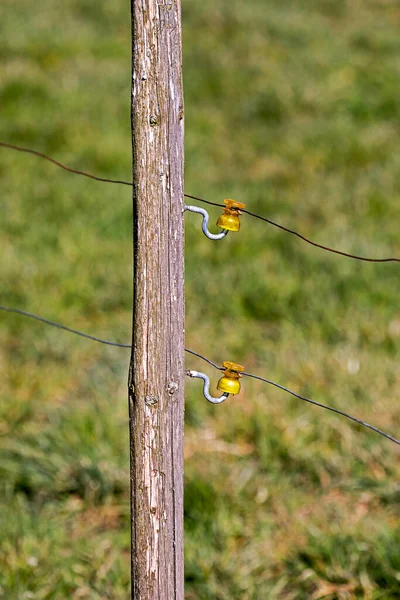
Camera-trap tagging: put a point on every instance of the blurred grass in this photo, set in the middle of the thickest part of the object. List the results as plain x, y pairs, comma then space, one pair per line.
291, 107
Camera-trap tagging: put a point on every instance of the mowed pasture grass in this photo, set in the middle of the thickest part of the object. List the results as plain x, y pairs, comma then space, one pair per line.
291, 107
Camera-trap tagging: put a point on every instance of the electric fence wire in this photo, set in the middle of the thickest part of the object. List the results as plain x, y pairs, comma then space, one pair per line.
24, 313
247, 212
315, 403
244, 373
61, 165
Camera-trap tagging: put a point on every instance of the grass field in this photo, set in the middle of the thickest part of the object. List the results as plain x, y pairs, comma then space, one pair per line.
292, 106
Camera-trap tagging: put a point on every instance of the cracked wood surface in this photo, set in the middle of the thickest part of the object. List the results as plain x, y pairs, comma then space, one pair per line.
156, 374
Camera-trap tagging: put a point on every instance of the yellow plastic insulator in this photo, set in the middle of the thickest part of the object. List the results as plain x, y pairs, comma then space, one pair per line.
230, 217
230, 383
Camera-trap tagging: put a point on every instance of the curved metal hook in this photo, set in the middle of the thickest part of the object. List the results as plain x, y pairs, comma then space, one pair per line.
204, 226
206, 387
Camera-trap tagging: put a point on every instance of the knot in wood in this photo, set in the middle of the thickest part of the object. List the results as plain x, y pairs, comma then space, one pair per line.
172, 387
151, 400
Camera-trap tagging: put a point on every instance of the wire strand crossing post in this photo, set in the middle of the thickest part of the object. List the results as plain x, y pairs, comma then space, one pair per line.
156, 374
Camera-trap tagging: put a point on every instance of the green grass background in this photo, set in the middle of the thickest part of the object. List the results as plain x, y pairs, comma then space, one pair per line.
292, 106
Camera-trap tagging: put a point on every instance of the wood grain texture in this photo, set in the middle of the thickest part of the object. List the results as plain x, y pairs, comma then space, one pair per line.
156, 377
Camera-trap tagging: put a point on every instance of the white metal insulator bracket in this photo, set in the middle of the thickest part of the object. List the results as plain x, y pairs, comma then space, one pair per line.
204, 226
206, 387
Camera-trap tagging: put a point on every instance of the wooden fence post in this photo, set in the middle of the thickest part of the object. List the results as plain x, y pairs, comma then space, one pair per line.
156, 375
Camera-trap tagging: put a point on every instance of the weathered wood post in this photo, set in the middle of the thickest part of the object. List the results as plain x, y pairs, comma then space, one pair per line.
156, 377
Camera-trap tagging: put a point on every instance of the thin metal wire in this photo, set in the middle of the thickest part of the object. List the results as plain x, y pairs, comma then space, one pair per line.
247, 212
321, 246
205, 201
25, 313
335, 410
59, 326
210, 362
281, 387
62, 166
299, 235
